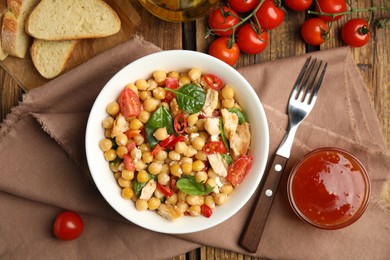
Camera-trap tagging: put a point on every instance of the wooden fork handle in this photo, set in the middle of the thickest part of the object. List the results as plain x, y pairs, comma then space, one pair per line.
250, 237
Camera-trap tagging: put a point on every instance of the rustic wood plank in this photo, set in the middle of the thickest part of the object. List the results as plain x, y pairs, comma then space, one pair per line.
10, 94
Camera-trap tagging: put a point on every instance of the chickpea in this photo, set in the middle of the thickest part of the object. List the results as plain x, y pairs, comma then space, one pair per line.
176, 170
105, 144
164, 168
227, 92
211, 182
147, 157
201, 176
135, 124
190, 151
132, 87
161, 134
151, 104
127, 193
197, 165
194, 200
121, 139
172, 200
139, 139
201, 156
142, 176
194, 210
160, 76
192, 119
200, 124
198, 143
144, 116
161, 155
174, 74
108, 123
158, 194
181, 195
142, 84
144, 147
183, 80
186, 160
123, 183
186, 168
192, 129
113, 166
182, 206
159, 93
113, 108
107, 133
174, 156
145, 94
194, 75
163, 178
152, 84
220, 198
141, 204
127, 175
154, 168
121, 150
180, 147
227, 189
228, 102
139, 165
110, 155
154, 203
209, 201
117, 175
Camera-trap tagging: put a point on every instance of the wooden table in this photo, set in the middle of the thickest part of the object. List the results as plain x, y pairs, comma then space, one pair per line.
373, 61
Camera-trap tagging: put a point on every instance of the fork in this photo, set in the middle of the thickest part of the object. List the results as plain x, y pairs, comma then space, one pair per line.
301, 102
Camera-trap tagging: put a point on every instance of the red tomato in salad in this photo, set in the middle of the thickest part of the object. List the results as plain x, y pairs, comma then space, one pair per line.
251, 40
239, 169
331, 7
206, 210
243, 6
314, 31
129, 103
221, 21
269, 15
355, 32
68, 225
298, 5
214, 147
221, 49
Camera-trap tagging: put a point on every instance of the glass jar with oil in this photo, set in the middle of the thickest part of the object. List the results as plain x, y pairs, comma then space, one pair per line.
179, 10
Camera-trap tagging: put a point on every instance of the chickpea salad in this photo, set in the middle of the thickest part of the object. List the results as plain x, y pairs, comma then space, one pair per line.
177, 143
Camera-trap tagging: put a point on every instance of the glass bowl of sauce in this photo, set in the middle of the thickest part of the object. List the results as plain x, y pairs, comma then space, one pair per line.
329, 188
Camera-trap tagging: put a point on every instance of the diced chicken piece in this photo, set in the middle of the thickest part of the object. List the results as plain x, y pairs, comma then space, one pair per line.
120, 126
169, 212
217, 163
230, 123
148, 190
240, 142
211, 102
212, 126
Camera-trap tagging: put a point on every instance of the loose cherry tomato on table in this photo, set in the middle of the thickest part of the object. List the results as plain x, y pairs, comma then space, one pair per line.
224, 49
298, 5
129, 103
221, 21
243, 6
269, 15
251, 40
239, 169
355, 32
314, 31
331, 7
68, 225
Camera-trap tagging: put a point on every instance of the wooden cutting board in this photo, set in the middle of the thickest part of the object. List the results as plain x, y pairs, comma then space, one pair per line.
24, 72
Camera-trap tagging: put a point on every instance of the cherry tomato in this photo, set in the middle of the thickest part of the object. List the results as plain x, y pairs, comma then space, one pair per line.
221, 21
269, 15
243, 6
355, 32
68, 225
221, 49
251, 40
331, 7
171, 82
313, 31
206, 210
239, 169
298, 5
129, 103
180, 123
214, 147
213, 81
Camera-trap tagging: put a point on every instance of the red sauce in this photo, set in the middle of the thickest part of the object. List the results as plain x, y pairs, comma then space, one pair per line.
329, 188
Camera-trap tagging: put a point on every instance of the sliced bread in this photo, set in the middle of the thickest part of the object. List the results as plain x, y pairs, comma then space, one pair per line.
50, 57
14, 39
72, 19
3, 9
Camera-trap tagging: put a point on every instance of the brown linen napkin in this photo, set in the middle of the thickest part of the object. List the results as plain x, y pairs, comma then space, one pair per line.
43, 163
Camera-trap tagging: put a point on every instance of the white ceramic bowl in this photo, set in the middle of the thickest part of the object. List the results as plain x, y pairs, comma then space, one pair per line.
178, 60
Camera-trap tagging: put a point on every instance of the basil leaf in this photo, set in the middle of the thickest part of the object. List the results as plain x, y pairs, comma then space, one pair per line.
190, 98
223, 135
189, 185
160, 118
227, 158
240, 115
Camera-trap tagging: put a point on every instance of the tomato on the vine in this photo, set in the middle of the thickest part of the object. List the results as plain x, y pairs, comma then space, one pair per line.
331, 7
68, 225
314, 31
269, 15
298, 5
224, 49
251, 39
221, 21
243, 6
355, 32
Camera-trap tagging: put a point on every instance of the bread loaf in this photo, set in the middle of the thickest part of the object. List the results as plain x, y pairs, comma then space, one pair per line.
3, 9
72, 19
14, 39
50, 57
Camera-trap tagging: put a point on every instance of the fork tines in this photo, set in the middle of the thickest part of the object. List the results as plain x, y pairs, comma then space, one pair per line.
307, 84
